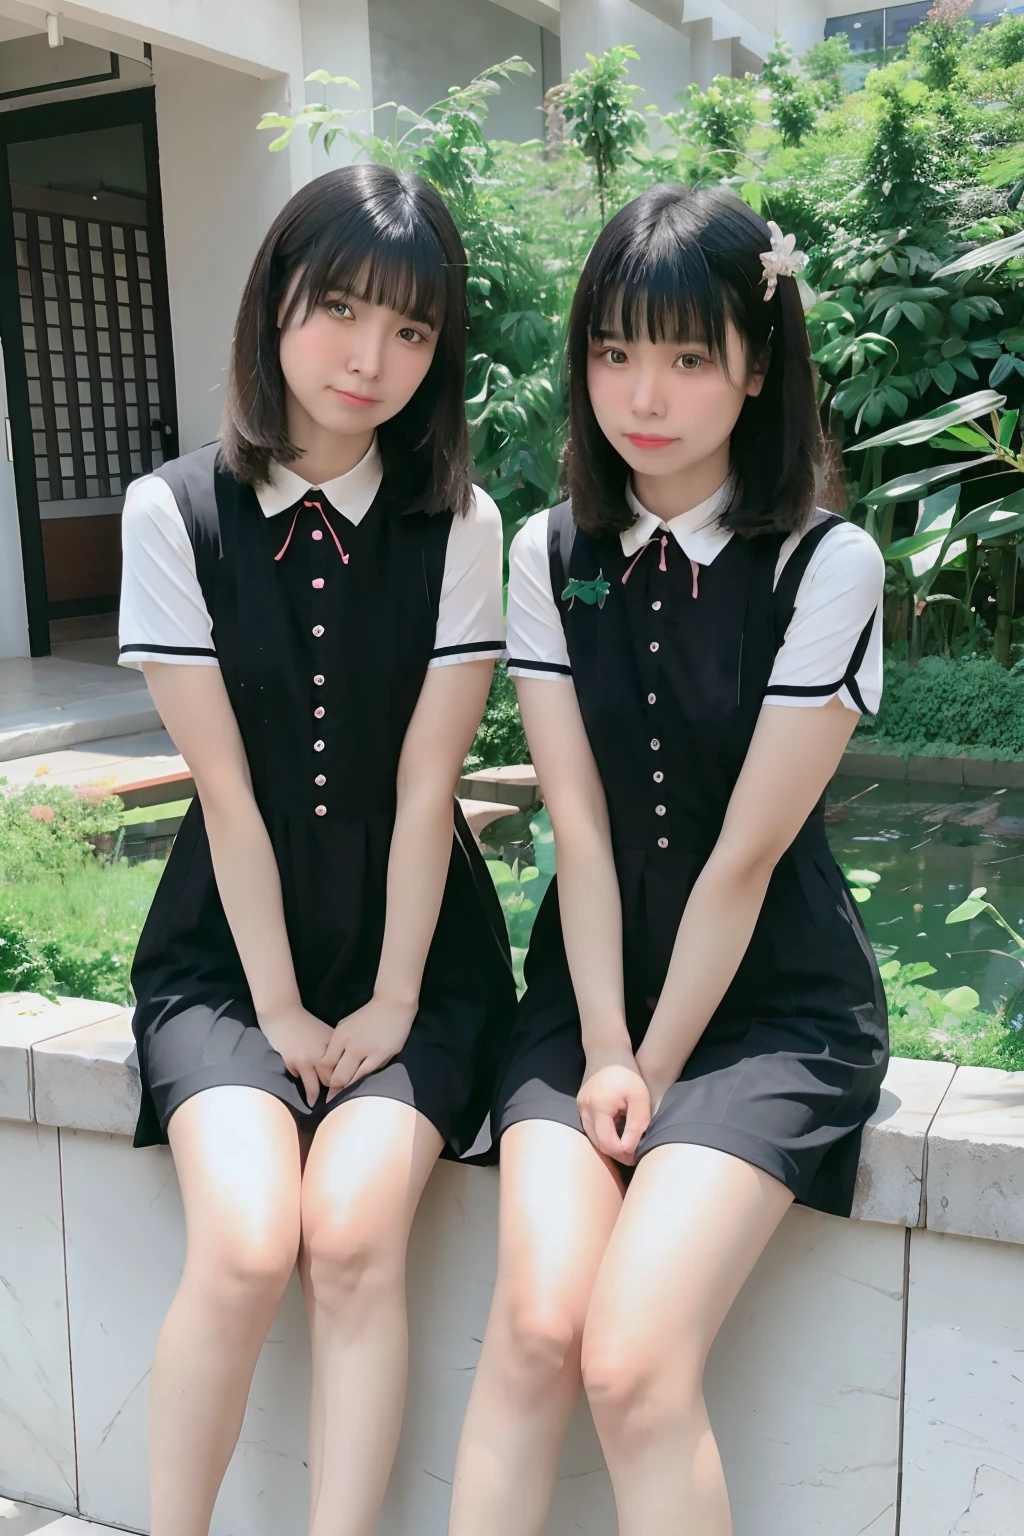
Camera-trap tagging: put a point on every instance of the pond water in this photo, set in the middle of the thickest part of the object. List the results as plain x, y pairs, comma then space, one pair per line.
929, 845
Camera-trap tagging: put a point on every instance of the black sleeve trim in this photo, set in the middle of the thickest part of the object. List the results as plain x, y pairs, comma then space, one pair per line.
793, 692
463, 650
539, 666
169, 650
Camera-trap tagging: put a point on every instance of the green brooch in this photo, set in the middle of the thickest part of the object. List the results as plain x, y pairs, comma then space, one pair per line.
589, 592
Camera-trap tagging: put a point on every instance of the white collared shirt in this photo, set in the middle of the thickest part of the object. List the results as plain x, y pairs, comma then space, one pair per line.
838, 594
162, 602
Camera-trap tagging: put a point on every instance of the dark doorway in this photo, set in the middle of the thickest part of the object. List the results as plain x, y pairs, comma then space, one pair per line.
85, 323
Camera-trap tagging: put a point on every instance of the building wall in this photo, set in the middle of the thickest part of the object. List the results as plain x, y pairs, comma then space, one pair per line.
592, 26
421, 47
221, 189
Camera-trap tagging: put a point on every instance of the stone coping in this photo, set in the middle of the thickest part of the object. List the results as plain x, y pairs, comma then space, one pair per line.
945, 1148
964, 772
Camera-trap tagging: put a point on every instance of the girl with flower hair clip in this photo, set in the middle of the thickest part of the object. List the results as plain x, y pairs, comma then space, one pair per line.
703, 1033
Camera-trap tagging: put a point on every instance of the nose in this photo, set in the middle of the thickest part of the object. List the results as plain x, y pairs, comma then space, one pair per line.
366, 358
648, 398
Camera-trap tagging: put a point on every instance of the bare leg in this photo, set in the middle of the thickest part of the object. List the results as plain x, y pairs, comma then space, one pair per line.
364, 1176
236, 1151
559, 1203
693, 1225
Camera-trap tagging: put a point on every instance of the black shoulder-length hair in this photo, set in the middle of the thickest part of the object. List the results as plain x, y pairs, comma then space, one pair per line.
386, 237
677, 265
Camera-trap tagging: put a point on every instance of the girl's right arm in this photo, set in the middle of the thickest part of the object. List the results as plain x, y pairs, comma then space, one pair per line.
193, 704
614, 1102
166, 631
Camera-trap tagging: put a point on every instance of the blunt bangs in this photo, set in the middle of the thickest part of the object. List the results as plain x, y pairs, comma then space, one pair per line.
383, 236
386, 256
682, 265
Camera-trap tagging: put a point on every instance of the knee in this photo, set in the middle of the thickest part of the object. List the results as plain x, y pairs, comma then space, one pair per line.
244, 1272
353, 1262
544, 1340
633, 1387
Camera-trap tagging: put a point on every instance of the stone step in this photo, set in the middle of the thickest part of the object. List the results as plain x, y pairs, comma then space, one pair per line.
49, 727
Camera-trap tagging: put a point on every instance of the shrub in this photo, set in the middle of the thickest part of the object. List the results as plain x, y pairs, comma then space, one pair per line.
501, 740
44, 828
974, 702
22, 967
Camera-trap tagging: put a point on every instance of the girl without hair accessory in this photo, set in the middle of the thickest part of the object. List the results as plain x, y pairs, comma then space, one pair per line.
703, 1033
323, 983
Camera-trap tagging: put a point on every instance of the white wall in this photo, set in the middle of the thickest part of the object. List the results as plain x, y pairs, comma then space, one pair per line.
592, 26
257, 34
421, 47
221, 188
336, 37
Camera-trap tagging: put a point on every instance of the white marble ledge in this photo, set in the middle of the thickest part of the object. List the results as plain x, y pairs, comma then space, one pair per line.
89, 1080
976, 1157
26, 1020
890, 1176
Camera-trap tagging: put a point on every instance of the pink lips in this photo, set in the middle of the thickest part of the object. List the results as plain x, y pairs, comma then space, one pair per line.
648, 440
351, 399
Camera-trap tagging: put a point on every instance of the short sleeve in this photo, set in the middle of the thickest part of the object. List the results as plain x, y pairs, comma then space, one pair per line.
536, 640
833, 646
163, 615
469, 616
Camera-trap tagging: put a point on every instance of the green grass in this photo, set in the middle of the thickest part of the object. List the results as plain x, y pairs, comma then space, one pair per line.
99, 906
144, 813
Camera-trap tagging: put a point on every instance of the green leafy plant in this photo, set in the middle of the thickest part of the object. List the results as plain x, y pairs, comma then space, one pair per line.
973, 907
500, 740
794, 100
600, 117
927, 1025
967, 701
824, 63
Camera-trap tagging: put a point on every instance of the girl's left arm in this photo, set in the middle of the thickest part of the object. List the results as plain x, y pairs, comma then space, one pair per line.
792, 756
439, 736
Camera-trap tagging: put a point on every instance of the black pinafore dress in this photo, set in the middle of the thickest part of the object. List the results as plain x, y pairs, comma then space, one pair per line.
323, 649
671, 673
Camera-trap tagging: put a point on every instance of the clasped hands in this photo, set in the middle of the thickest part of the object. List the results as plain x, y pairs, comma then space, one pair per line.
621, 1094
359, 1044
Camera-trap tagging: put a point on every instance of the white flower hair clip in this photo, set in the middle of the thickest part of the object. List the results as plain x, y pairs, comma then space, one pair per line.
783, 260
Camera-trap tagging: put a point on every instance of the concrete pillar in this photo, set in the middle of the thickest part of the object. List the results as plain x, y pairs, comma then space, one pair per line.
593, 26
709, 56
13, 613
221, 188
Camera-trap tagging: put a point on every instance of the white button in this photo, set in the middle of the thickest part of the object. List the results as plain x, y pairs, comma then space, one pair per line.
656, 607
659, 810
321, 779
318, 534
655, 745
658, 776
318, 582
319, 712
662, 842
318, 746
655, 646
652, 698
321, 810
319, 679
318, 630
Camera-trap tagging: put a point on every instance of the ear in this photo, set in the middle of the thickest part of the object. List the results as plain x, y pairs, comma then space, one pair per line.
759, 371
